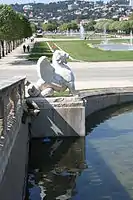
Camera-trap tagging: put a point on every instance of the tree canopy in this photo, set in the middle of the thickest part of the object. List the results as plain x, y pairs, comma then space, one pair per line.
90, 25
68, 26
13, 28
13, 25
49, 27
114, 26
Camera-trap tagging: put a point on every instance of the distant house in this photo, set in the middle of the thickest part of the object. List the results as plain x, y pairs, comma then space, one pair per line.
125, 18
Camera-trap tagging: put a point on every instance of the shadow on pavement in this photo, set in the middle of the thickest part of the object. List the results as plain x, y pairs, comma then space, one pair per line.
23, 62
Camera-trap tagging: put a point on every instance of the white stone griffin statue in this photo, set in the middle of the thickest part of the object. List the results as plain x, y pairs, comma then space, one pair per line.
53, 77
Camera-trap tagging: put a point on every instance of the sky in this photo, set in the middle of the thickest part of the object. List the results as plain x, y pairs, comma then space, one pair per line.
25, 1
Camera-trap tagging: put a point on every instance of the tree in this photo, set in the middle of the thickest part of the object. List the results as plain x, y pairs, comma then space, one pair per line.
131, 17
114, 26
69, 26
131, 24
107, 24
13, 27
33, 27
90, 26
100, 25
73, 26
6, 29
26, 28
63, 27
49, 27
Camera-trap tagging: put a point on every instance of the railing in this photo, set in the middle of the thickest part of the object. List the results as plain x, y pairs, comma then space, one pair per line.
12, 93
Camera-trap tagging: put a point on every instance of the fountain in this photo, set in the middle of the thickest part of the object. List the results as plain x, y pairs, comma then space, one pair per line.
67, 32
131, 38
104, 45
82, 32
71, 32
105, 41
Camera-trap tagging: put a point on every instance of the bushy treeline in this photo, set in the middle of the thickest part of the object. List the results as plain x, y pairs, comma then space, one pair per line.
13, 28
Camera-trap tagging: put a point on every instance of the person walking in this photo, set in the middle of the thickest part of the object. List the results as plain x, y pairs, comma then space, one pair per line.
28, 48
24, 48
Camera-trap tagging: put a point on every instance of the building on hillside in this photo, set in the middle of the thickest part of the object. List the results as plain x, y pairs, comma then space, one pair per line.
131, 3
125, 18
73, 6
27, 8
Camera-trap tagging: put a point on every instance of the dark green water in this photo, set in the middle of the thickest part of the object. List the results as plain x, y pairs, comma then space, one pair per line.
98, 166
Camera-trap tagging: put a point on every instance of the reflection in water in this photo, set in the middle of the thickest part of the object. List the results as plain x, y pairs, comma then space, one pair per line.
96, 167
54, 166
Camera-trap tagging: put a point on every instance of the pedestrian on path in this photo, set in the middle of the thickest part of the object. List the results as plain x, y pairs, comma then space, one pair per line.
32, 39
24, 48
28, 48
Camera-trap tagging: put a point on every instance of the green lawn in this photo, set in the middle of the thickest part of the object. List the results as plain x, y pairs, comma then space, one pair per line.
40, 49
81, 51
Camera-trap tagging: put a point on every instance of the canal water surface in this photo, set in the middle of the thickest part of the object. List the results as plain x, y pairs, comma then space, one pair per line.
96, 167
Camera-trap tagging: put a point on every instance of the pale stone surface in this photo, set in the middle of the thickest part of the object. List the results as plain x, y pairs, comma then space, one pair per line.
11, 110
60, 116
53, 77
57, 101
13, 183
64, 116
99, 99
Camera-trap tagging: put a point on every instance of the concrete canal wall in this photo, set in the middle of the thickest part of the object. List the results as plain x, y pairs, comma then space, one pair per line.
98, 99
65, 116
60, 116
13, 140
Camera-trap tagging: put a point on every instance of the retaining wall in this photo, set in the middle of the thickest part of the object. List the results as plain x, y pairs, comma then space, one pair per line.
12, 186
99, 99
60, 116
13, 139
65, 116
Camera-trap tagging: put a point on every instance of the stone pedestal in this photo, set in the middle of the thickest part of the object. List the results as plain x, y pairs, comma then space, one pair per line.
59, 116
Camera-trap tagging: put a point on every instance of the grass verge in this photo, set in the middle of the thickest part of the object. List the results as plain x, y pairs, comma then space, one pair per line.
66, 92
61, 94
40, 49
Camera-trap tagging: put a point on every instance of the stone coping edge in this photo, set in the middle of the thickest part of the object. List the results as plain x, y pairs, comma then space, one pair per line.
58, 101
11, 82
79, 101
105, 91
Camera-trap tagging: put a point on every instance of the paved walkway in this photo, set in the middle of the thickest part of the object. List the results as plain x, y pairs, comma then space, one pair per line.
16, 54
16, 64
88, 75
